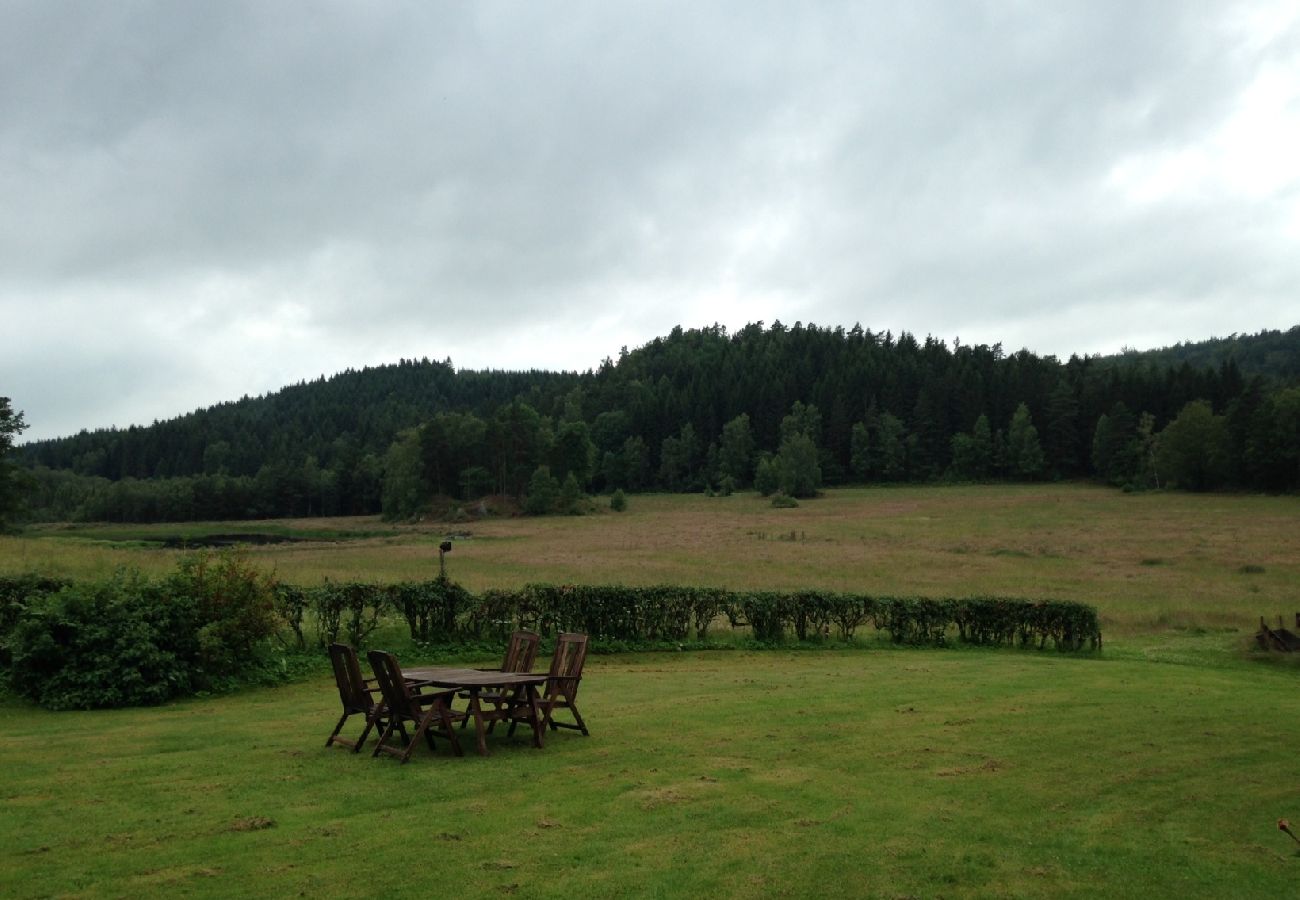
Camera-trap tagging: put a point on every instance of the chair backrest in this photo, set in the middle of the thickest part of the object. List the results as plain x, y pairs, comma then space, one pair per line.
566, 664
521, 652
397, 697
347, 675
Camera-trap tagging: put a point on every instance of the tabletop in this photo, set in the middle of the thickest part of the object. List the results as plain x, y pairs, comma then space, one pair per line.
448, 676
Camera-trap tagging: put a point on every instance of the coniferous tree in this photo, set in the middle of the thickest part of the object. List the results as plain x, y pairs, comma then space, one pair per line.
570, 494
1061, 440
573, 452
543, 492
860, 452
890, 448
636, 463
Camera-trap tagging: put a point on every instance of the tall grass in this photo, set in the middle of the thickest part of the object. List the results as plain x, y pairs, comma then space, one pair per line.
1220, 561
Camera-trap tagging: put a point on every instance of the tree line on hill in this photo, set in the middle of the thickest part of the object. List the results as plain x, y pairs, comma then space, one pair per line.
780, 408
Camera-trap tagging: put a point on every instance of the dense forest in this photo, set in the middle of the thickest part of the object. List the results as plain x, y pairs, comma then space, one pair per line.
786, 409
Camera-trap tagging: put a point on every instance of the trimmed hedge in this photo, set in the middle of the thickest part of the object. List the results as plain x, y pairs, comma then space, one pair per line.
129, 641
441, 611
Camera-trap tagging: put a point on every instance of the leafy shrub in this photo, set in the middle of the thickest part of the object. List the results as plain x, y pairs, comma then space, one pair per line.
784, 501
17, 592
618, 501
129, 641
234, 604
119, 642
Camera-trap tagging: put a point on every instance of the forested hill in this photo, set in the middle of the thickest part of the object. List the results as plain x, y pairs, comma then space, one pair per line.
336, 421
1272, 354
682, 412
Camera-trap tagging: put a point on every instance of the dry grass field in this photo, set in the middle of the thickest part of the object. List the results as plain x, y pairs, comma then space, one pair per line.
1149, 562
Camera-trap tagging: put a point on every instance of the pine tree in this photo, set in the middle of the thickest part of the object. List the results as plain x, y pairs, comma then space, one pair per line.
860, 452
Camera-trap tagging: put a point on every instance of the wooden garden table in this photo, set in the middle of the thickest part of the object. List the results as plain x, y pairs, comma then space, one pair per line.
474, 681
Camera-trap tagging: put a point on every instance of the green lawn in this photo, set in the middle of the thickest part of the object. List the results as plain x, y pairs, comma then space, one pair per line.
855, 773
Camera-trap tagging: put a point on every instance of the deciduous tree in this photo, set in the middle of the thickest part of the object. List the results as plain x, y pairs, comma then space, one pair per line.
11, 425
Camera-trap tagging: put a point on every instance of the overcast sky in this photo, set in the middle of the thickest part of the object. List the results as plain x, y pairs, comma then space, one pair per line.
204, 200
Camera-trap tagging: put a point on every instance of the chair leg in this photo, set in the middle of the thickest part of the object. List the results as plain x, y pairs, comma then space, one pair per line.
337, 728
582, 726
383, 738
373, 720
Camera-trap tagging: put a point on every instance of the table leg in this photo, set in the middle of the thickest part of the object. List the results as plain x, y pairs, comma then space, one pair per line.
477, 712
536, 720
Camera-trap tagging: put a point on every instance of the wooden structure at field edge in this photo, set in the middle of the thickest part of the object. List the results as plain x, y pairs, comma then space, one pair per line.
1278, 638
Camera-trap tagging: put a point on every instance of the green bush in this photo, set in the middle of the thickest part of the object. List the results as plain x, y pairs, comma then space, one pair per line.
784, 501
129, 641
17, 592
618, 501
119, 642
235, 606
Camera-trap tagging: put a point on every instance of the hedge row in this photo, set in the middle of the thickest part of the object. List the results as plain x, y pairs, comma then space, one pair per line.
442, 611
128, 640
657, 613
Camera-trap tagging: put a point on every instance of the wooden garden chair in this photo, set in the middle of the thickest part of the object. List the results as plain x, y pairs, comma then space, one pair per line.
562, 682
359, 696
404, 703
521, 653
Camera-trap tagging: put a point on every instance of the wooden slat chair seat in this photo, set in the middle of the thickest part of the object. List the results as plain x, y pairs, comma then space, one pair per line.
360, 696
521, 653
562, 682
404, 703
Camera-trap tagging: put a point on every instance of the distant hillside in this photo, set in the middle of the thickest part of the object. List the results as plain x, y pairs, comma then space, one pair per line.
679, 413
345, 423
1271, 354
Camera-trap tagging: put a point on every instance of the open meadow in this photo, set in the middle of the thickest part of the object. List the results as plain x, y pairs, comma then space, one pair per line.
1157, 768
1147, 561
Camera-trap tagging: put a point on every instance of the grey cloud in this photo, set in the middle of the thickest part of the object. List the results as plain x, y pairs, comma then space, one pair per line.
456, 176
